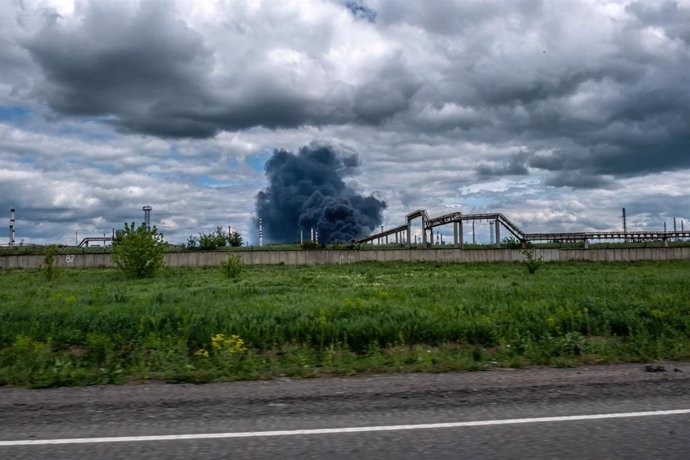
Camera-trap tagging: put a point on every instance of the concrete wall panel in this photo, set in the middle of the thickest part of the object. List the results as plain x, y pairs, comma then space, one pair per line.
205, 259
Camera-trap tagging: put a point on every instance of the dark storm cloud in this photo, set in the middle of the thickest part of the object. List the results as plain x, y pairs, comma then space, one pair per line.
484, 71
148, 71
390, 93
611, 90
306, 190
621, 150
576, 179
626, 128
556, 161
515, 166
144, 69
669, 15
660, 205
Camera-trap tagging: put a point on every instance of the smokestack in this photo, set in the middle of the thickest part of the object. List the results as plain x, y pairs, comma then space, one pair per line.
261, 232
147, 216
12, 227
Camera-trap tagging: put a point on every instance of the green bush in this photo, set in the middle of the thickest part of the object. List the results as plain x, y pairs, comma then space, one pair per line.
138, 251
235, 239
232, 267
49, 269
308, 244
511, 242
215, 240
211, 241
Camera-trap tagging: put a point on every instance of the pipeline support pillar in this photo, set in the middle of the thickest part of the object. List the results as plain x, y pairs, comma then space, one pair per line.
498, 233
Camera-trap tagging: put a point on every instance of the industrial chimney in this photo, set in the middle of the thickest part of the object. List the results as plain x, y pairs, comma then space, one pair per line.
12, 227
147, 216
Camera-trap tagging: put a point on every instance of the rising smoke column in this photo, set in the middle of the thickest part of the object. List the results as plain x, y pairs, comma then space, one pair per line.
307, 190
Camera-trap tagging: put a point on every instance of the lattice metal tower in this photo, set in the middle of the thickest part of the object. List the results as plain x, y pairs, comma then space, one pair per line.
625, 222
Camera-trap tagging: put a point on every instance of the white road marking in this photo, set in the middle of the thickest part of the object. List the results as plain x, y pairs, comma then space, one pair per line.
359, 429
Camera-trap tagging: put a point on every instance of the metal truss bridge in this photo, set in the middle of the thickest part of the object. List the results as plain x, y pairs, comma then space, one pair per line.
91, 239
403, 233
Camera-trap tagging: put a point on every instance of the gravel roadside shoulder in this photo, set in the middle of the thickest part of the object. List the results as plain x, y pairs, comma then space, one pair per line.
363, 385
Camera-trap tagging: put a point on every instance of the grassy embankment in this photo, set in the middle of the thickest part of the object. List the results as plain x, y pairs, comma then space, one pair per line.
93, 326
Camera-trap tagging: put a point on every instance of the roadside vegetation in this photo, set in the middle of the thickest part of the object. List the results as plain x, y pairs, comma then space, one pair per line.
234, 322
138, 251
213, 241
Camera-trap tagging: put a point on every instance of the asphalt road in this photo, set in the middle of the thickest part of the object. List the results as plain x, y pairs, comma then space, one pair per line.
594, 412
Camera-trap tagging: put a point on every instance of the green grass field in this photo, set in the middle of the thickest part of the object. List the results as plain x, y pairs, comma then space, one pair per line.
94, 326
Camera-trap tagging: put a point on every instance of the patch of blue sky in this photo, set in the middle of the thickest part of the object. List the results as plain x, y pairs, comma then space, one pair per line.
233, 163
210, 182
105, 167
173, 177
9, 113
477, 202
88, 130
257, 161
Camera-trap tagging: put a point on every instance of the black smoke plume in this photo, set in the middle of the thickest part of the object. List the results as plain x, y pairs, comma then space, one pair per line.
306, 190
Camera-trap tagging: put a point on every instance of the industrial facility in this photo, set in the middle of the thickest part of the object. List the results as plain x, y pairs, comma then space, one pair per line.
403, 233
462, 225
85, 241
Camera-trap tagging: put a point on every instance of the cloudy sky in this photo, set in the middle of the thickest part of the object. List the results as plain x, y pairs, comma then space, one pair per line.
555, 113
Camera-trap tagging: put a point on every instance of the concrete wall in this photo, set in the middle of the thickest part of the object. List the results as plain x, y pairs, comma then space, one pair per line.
205, 259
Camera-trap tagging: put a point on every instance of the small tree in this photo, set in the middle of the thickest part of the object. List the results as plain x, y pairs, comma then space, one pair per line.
138, 251
532, 261
235, 239
192, 242
211, 241
215, 240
